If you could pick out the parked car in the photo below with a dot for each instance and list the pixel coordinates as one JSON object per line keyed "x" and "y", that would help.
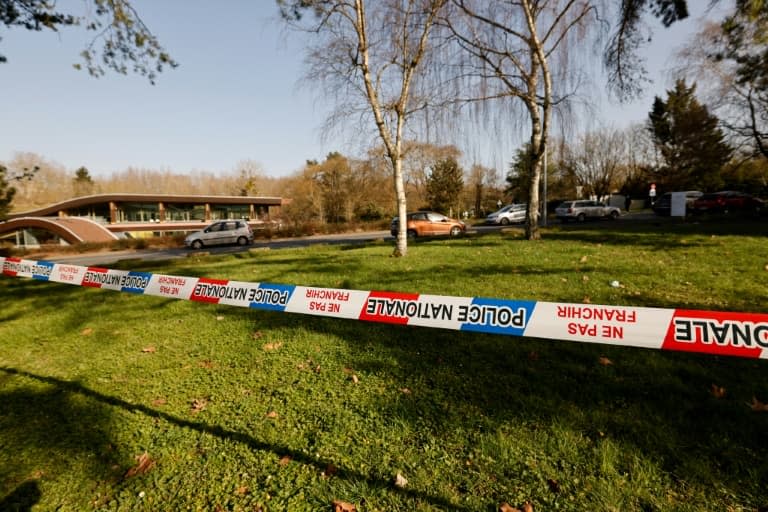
{"x": 728, "y": 201}
{"x": 583, "y": 210}
{"x": 510, "y": 214}
{"x": 663, "y": 206}
{"x": 429, "y": 224}
{"x": 221, "y": 233}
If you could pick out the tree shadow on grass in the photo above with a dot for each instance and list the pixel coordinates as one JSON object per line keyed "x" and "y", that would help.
{"x": 43, "y": 428}
{"x": 78, "y": 431}
{"x": 659, "y": 403}
{"x": 44, "y": 297}
{"x": 23, "y": 498}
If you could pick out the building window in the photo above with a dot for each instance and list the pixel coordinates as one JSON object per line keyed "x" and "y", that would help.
{"x": 97, "y": 212}
{"x": 178, "y": 212}
{"x": 138, "y": 212}
{"x": 230, "y": 211}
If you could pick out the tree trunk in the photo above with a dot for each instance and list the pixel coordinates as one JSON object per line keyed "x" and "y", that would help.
{"x": 401, "y": 245}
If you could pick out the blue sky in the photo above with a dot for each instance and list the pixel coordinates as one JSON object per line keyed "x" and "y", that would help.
{"x": 234, "y": 96}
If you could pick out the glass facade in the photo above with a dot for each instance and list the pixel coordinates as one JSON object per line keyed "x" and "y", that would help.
{"x": 230, "y": 211}
{"x": 177, "y": 212}
{"x": 33, "y": 237}
{"x": 138, "y": 212}
{"x": 97, "y": 212}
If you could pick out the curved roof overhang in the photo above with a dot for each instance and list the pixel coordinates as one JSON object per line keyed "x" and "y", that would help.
{"x": 71, "y": 229}
{"x": 164, "y": 198}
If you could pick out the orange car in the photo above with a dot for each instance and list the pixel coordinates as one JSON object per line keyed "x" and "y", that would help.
{"x": 429, "y": 224}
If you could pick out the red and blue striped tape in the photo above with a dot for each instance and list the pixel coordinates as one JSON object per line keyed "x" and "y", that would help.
{"x": 711, "y": 332}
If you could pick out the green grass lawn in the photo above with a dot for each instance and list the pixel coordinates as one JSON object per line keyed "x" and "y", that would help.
{"x": 112, "y": 401}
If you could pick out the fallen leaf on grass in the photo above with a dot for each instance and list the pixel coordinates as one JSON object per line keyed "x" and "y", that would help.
{"x": 272, "y": 346}
{"x": 586, "y": 300}
{"x": 309, "y": 365}
{"x": 605, "y": 361}
{"x": 583, "y": 259}
{"x": 355, "y": 379}
{"x": 159, "y": 401}
{"x": 758, "y": 406}
{"x": 400, "y": 481}
{"x": 343, "y": 506}
{"x": 405, "y": 391}
{"x": 198, "y": 404}
{"x": 208, "y": 364}
{"x": 242, "y": 490}
{"x": 219, "y": 318}
{"x": 285, "y": 460}
{"x": 149, "y": 350}
{"x": 506, "y": 507}
{"x": 87, "y": 331}
{"x": 272, "y": 415}
{"x": 330, "y": 470}
{"x": 585, "y": 278}
{"x": 257, "y": 335}
{"x": 717, "y": 391}
{"x": 143, "y": 464}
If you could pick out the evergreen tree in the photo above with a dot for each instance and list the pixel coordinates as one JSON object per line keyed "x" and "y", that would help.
{"x": 520, "y": 171}
{"x": 82, "y": 183}
{"x": 6, "y": 194}
{"x": 444, "y": 186}
{"x": 689, "y": 140}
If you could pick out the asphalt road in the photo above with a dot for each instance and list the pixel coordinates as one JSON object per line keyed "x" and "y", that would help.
{"x": 106, "y": 258}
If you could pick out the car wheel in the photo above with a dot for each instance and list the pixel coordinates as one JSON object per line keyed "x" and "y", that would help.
{"x": 614, "y": 215}
{"x": 455, "y": 231}
{"x": 411, "y": 233}
{"x": 242, "y": 241}
{"x": 581, "y": 217}
{"x": 504, "y": 221}
{"x": 197, "y": 244}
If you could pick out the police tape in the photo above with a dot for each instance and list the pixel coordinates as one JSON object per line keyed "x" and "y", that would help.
{"x": 711, "y": 332}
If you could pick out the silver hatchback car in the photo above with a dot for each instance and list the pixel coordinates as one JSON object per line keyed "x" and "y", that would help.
{"x": 221, "y": 233}
{"x": 510, "y": 214}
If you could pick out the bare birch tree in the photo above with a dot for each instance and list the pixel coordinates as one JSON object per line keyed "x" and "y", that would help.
{"x": 369, "y": 53}
{"x": 511, "y": 45}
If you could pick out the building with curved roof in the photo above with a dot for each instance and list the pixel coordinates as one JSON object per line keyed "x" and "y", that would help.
{"x": 105, "y": 217}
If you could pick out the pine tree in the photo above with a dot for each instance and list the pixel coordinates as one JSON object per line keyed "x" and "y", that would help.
{"x": 6, "y": 193}
{"x": 689, "y": 140}
{"x": 444, "y": 186}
